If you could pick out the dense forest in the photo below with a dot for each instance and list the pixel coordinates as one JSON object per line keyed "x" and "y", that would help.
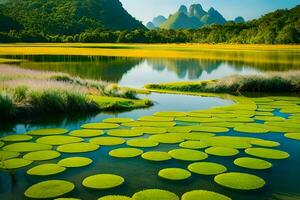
{"x": 279, "y": 27}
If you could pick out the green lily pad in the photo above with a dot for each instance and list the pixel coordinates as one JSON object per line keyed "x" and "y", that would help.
{"x": 197, "y": 119}
{"x": 5, "y": 155}
{"x": 229, "y": 142}
{"x": 100, "y": 126}
{"x": 149, "y": 124}
{"x": 294, "y": 136}
{"x": 221, "y": 151}
{"x": 117, "y": 120}
{"x": 210, "y": 129}
{"x": 125, "y": 152}
{"x": 77, "y": 148}
{"x": 124, "y": 133}
{"x": 250, "y": 129}
{"x": 265, "y": 143}
{"x": 267, "y": 153}
{"x": 84, "y": 133}
{"x": 156, "y": 156}
{"x": 150, "y": 130}
{"x": 16, "y": 138}
{"x": 167, "y": 138}
{"x": 142, "y": 142}
{"x": 170, "y": 114}
{"x": 14, "y": 163}
{"x": 270, "y": 118}
{"x": 66, "y": 199}
{"x": 49, "y": 189}
{"x": 103, "y": 181}
{"x": 152, "y": 194}
{"x": 207, "y": 168}
{"x": 193, "y": 145}
{"x": 175, "y": 174}
{"x": 41, "y": 155}
{"x": 200, "y": 115}
{"x": 1, "y": 144}
{"x": 58, "y": 140}
{"x": 240, "y": 181}
{"x": 188, "y": 154}
{"x": 203, "y": 194}
{"x": 156, "y": 119}
{"x": 179, "y": 129}
{"x": 252, "y": 163}
{"x": 74, "y": 162}
{"x": 46, "y": 170}
{"x": 49, "y": 131}
{"x": 115, "y": 197}
{"x": 197, "y": 135}
{"x": 107, "y": 141}
{"x": 27, "y": 147}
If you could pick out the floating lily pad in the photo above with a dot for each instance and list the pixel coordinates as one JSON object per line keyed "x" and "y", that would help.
{"x": 270, "y": 118}
{"x": 125, "y": 152}
{"x": 252, "y": 163}
{"x": 221, "y": 151}
{"x": 75, "y": 162}
{"x": 58, "y": 140}
{"x": 103, "y": 181}
{"x": 267, "y": 153}
{"x": 115, "y": 197}
{"x": 210, "y": 129}
{"x": 207, "y": 168}
{"x": 167, "y": 138}
{"x": 150, "y": 130}
{"x": 16, "y": 138}
{"x": 77, "y": 148}
{"x": 240, "y": 181}
{"x": 84, "y": 133}
{"x": 125, "y": 133}
{"x": 14, "y": 163}
{"x": 142, "y": 142}
{"x": 100, "y": 126}
{"x": 188, "y": 154}
{"x": 193, "y": 145}
{"x": 228, "y": 141}
{"x": 265, "y": 143}
{"x": 46, "y": 170}
{"x": 107, "y": 141}
{"x": 1, "y": 144}
{"x": 49, "y": 131}
{"x": 156, "y": 156}
{"x": 200, "y": 115}
{"x": 203, "y": 194}
{"x": 49, "y": 189}
{"x": 179, "y": 129}
{"x": 294, "y": 136}
{"x": 117, "y": 120}
{"x": 197, "y": 135}
{"x": 250, "y": 129}
{"x": 156, "y": 119}
{"x": 5, "y": 155}
{"x": 66, "y": 199}
{"x": 41, "y": 155}
{"x": 27, "y": 147}
{"x": 149, "y": 124}
{"x": 170, "y": 114}
{"x": 197, "y": 119}
{"x": 152, "y": 194}
{"x": 174, "y": 174}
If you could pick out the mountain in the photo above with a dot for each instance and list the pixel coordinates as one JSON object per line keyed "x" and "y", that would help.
{"x": 156, "y": 22}
{"x": 213, "y": 17}
{"x": 239, "y": 19}
{"x": 68, "y": 16}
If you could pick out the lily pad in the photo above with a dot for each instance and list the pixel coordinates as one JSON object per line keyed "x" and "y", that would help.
{"x": 1, "y": 144}
{"x": 240, "y": 181}
{"x": 252, "y": 163}
{"x": 149, "y": 124}
{"x": 107, "y": 141}
{"x": 221, "y": 151}
{"x": 270, "y": 118}
{"x": 58, "y": 140}
{"x": 14, "y": 163}
{"x": 27, "y": 147}
{"x": 170, "y": 114}
{"x": 210, "y": 129}
{"x": 250, "y": 129}
{"x": 267, "y": 153}
{"x": 193, "y": 145}
{"x": 203, "y": 194}
{"x": 5, "y": 155}
{"x": 117, "y": 120}
{"x": 124, "y": 133}
{"x": 16, "y": 138}
{"x": 152, "y": 194}
{"x": 125, "y": 152}
{"x": 115, "y": 197}
{"x": 294, "y": 136}
{"x": 49, "y": 189}
{"x": 100, "y": 126}
{"x": 49, "y": 131}
{"x": 207, "y": 168}
{"x": 265, "y": 143}
{"x": 74, "y": 162}
{"x": 197, "y": 135}
{"x": 46, "y": 170}
{"x": 174, "y": 174}
{"x": 229, "y": 142}
{"x": 179, "y": 129}
{"x": 77, "y": 148}
{"x": 188, "y": 154}
{"x": 150, "y": 130}
{"x": 103, "y": 181}
{"x": 156, "y": 156}
{"x": 84, "y": 133}
{"x": 142, "y": 142}
{"x": 156, "y": 119}
{"x": 41, "y": 155}
{"x": 167, "y": 138}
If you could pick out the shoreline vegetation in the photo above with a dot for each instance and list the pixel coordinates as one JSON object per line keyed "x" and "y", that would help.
{"x": 25, "y": 93}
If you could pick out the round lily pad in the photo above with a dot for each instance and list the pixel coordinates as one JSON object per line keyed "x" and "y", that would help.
{"x": 66, "y": 199}
{"x": 27, "y": 147}
{"x": 221, "y": 151}
{"x": 167, "y": 138}
{"x": 100, "y": 126}
{"x": 188, "y": 154}
{"x": 5, "y": 155}
{"x": 179, "y": 129}
{"x": 77, "y": 148}
{"x": 228, "y": 141}
{"x": 250, "y": 129}
{"x": 85, "y": 133}
{"x": 207, "y": 168}
{"x": 150, "y": 130}
{"x": 152, "y": 194}
{"x": 210, "y": 129}
{"x": 156, "y": 119}
{"x": 125, "y": 133}
{"x": 103, "y": 181}
{"x": 252, "y": 163}
{"x": 240, "y": 181}
{"x": 197, "y": 135}
{"x": 46, "y": 170}
{"x": 270, "y": 118}
{"x": 49, "y": 131}
{"x": 265, "y": 143}
{"x": 156, "y": 156}
{"x": 267, "y": 153}
{"x": 107, "y": 141}
{"x": 193, "y": 145}
{"x": 142, "y": 142}
{"x": 174, "y": 174}
{"x": 16, "y": 138}
{"x": 170, "y": 114}
{"x": 14, "y": 163}
{"x": 115, "y": 197}
{"x": 149, "y": 124}
{"x": 41, "y": 155}
{"x": 75, "y": 162}
{"x": 49, "y": 189}
{"x": 125, "y": 152}
{"x": 294, "y": 136}
{"x": 117, "y": 120}
{"x": 58, "y": 140}
{"x": 203, "y": 194}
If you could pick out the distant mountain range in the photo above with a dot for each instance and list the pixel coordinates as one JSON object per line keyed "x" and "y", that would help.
{"x": 192, "y": 18}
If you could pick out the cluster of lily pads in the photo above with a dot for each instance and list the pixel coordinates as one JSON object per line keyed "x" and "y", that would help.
{"x": 198, "y": 134}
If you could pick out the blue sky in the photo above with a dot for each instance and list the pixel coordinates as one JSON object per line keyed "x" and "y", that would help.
{"x": 145, "y": 10}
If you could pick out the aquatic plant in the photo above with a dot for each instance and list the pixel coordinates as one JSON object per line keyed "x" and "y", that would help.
{"x": 125, "y": 152}
{"x": 26, "y": 147}
{"x": 77, "y": 147}
{"x": 151, "y": 194}
{"x": 14, "y": 163}
{"x": 45, "y": 170}
{"x": 74, "y": 162}
{"x": 207, "y": 168}
{"x": 107, "y": 141}
{"x": 252, "y": 163}
{"x": 175, "y": 174}
{"x": 187, "y": 154}
{"x": 156, "y": 156}
{"x": 267, "y": 153}
{"x": 203, "y": 194}
{"x": 103, "y": 181}
{"x": 41, "y": 155}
